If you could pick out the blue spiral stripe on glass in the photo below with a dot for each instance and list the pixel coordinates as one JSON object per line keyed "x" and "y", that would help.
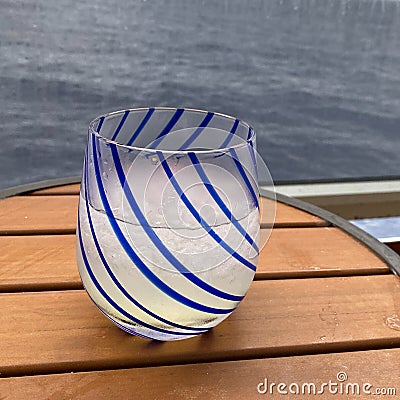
{"x": 111, "y": 301}
{"x": 231, "y": 134}
{"x": 136, "y": 259}
{"x": 121, "y": 124}
{"x": 123, "y": 327}
{"x": 101, "y": 120}
{"x": 158, "y": 242}
{"x": 114, "y": 278}
{"x": 167, "y": 128}
{"x": 195, "y": 135}
{"x": 198, "y": 217}
{"x": 141, "y": 126}
{"x": 126, "y": 329}
{"x": 249, "y": 132}
{"x": 114, "y": 321}
{"x": 243, "y": 174}
{"x": 217, "y": 198}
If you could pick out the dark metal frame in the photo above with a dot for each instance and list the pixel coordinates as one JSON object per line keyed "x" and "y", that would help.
{"x": 386, "y": 178}
{"x": 30, "y": 187}
{"x": 380, "y": 249}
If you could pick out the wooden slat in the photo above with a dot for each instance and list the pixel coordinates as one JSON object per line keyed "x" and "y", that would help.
{"x": 287, "y": 216}
{"x": 305, "y": 252}
{"x": 38, "y": 214}
{"x": 70, "y": 189}
{"x": 47, "y": 262}
{"x": 221, "y": 381}
{"x": 58, "y": 214}
{"x": 63, "y": 331}
{"x": 38, "y": 263}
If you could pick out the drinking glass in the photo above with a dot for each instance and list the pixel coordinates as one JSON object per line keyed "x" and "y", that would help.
{"x": 168, "y": 222}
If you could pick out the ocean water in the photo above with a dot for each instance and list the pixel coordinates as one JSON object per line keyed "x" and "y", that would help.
{"x": 318, "y": 79}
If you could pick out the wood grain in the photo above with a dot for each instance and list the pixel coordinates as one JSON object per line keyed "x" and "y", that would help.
{"x": 305, "y": 252}
{"x": 219, "y": 381}
{"x": 38, "y": 215}
{"x": 63, "y": 331}
{"x": 39, "y": 262}
{"x": 287, "y": 216}
{"x": 47, "y": 262}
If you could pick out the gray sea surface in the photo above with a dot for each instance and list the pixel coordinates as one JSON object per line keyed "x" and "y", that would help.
{"x": 318, "y": 79}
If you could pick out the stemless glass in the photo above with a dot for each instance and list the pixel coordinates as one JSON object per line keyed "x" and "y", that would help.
{"x": 168, "y": 224}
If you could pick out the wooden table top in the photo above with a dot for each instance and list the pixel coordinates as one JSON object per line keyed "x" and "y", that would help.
{"x": 322, "y": 303}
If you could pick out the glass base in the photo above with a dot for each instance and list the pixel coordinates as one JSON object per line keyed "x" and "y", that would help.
{"x": 139, "y": 330}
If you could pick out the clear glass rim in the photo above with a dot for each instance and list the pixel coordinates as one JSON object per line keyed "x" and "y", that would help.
{"x": 92, "y": 130}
